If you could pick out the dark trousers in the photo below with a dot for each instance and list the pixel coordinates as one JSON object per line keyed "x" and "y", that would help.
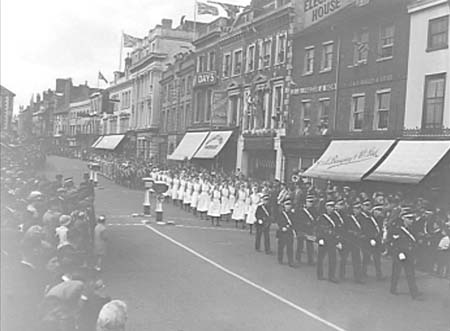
{"x": 329, "y": 249}
{"x": 286, "y": 240}
{"x": 372, "y": 253}
{"x": 262, "y": 230}
{"x": 301, "y": 243}
{"x": 408, "y": 266}
{"x": 355, "y": 253}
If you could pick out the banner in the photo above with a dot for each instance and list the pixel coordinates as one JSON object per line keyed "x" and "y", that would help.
{"x": 219, "y": 108}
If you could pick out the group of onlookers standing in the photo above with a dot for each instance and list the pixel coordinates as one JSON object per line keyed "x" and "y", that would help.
{"x": 52, "y": 248}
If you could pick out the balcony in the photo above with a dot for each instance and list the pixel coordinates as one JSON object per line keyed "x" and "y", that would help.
{"x": 431, "y": 133}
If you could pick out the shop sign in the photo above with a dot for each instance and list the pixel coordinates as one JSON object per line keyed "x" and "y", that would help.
{"x": 317, "y": 88}
{"x": 318, "y": 10}
{"x": 371, "y": 80}
{"x": 368, "y": 153}
{"x": 206, "y": 78}
{"x": 219, "y": 108}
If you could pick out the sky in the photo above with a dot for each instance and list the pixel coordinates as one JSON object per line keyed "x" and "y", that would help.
{"x": 42, "y": 40}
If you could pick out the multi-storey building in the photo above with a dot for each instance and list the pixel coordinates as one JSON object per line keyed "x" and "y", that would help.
{"x": 240, "y": 90}
{"x": 176, "y": 101}
{"x": 147, "y": 62}
{"x": 350, "y": 70}
{"x": 6, "y": 108}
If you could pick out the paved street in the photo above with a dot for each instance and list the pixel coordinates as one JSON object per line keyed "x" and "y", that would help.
{"x": 192, "y": 276}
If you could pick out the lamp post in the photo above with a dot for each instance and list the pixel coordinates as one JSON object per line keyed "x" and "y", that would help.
{"x": 160, "y": 188}
{"x": 148, "y": 183}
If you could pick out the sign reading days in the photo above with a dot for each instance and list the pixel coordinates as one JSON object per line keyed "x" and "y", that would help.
{"x": 317, "y": 10}
{"x": 206, "y": 78}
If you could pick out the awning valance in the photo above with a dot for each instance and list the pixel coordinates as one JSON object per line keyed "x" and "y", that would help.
{"x": 213, "y": 144}
{"x": 110, "y": 142}
{"x": 188, "y": 146}
{"x": 348, "y": 160}
{"x": 97, "y": 141}
{"x": 410, "y": 161}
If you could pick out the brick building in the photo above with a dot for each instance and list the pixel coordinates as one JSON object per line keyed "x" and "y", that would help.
{"x": 6, "y": 108}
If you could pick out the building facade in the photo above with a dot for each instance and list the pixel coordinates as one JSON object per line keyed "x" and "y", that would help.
{"x": 428, "y": 88}
{"x": 147, "y": 62}
{"x": 121, "y": 96}
{"x": 6, "y": 108}
{"x": 176, "y": 101}
{"x": 350, "y": 72}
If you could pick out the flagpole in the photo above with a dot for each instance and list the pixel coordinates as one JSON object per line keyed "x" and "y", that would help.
{"x": 195, "y": 19}
{"x": 121, "y": 51}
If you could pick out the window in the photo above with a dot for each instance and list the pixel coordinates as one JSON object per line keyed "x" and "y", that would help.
{"x": 201, "y": 63}
{"x": 250, "y": 58}
{"x": 306, "y": 113}
{"x": 434, "y": 101}
{"x": 211, "y": 61}
{"x": 208, "y": 105}
{"x": 227, "y": 65}
{"x": 277, "y": 107}
{"x": 361, "y": 47}
{"x": 438, "y": 33}
{"x": 309, "y": 60}
{"x": 237, "y": 63}
{"x": 324, "y": 108}
{"x": 200, "y": 106}
{"x": 182, "y": 86}
{"x": 358, "y": 105}
{"x": 189, "y": 84}
{"x": 281, "y": 48}
{"x": 187, "y": 115}
{"x": 382, "y": 106}
{"x": 327, "y": 57}
{"x": 233, "y": 110}
{"x": 266, "y": 53}
{"x": 386, "y": 42}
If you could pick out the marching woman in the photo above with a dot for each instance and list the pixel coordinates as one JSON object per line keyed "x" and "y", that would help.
{"x": 169, "y": 182}
{"x": 203, "y": 199}
{"x": 254, "y": 200}
{"x": 239, "y": 208}
{"x": 225, "y": 202}
{"x": 175, "y": 187}
{"x": 215, "y": 205}
{"x": 232, "y": 195}
{"x": 195, "y": 194}
{"x": 181, "y": 188}
{"x": 188, "y": 194}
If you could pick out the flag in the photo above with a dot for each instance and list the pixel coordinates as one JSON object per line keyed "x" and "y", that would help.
{"x": 130, "y": 41}
{"x": 100, "y": 76}
{"x": 231, "y": 10}
{"x": 205, "y": 9}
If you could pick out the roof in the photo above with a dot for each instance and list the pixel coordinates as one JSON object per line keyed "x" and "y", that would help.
{"x": 4, "y": 90}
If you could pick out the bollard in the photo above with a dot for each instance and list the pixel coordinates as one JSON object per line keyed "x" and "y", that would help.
{"x": 159, "y": 208}
{"x": 95, "y": 167}
{"x": 148, "y": 190}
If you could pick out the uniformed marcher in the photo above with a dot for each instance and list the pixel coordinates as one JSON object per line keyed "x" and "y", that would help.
{"x": 307, "y": 217}
{"x": 286, "y": 233}
{"x": 351, "y": 234}
{"x": 327, "y": 241}
{"x": 372, "y": 240}
{"x": 403, "y": 246}
{"x": 263, "y": 222}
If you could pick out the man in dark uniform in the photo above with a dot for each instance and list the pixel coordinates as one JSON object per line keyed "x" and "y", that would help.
{"x": 351, "y": 234}
{"x": 263, "y": 221}
{"x": 286, "y": 233}
{"x": 403, "y": 244}
{"x": 372, "y": 240}
{"x": 327, "y": 240}
{"x": 307, "y": 217}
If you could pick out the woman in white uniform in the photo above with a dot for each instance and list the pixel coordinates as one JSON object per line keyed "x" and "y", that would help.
{"x": 181, "y": 189}
{"x": 254, "y": 202}
{"x": 195, "y": 195}
{"x": 215, "y": 205}
{"x": 175, "y": 187}
{"x": 225, "y": 202}
{"x": 203, "y": 199}
{"x": 239, "y": 208}
{"x": 188, "y": 194}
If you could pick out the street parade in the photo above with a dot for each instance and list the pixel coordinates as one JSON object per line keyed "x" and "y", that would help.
{"x": 241, "y": 165}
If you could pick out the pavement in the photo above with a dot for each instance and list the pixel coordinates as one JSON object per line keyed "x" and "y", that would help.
{"x": 192, "y": 276}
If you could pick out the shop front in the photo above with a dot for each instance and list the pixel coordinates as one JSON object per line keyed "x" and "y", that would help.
{"x": 261, "y": 157}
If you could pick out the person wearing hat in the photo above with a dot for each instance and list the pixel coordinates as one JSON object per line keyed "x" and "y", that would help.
{"x": 307, "y": 217}
{"x": 100, "y": 240}
{"x": 327, "y": 241}
{"x": 372, "y": 240}
{"x": 351, "y": 235}
{"x": 262, "y": 224}
{"x": 287, "y": 230}
{"x": 403, "y": 243}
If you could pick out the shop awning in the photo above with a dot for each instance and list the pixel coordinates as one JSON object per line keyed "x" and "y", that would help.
{"x": 110, "y": 142}
{"x": 188, "y": 146}
{"x": 213, "y": 144}
{"x": 97, "y": 141}
{"x": 410, "y": 161}
{"x": 348, "y": 160}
